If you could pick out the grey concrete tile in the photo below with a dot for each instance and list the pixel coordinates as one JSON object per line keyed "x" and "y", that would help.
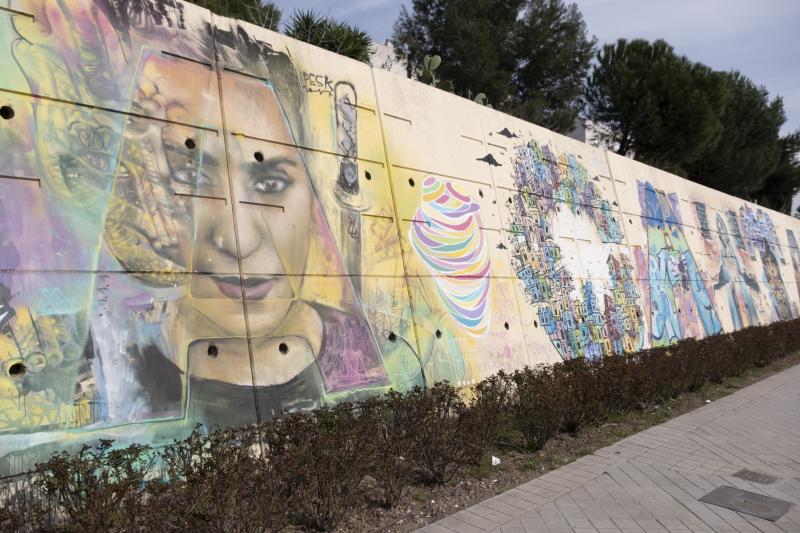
{"x": 651, "y": 481}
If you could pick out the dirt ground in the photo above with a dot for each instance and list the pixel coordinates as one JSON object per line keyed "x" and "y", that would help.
{"x": 423, "y": 505}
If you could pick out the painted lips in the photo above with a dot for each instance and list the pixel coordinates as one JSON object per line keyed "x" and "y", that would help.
{"x": 255, "y": 288}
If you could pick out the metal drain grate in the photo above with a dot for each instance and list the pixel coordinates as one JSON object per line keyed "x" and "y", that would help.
{"x": 755, "y": 477}
{"x": 746, "y": 502}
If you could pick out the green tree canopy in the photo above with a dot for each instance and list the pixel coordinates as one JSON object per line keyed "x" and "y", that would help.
{"x": 749, "y": 146}
{"x": 659, "y": 105}
{"x": 552, "y": 55}
{"x": 330, "y": 34}
{"x": 716, "y": 128}
{"x": 783, "y": 183}
{"x": 258, "y": 12}
{"x": 527, "y": 56}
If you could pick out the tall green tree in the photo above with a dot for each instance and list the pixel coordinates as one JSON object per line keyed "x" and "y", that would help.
{"x": 327, "y": 33}
{"x": 552, "y": 53}
{"x": 783, "y": 183}
{"x": 259, "y": 12}
{"x": 749, "y": 147}
{"x": 659, "y": 106}
{"x": 716, "y": 128}
{"x": 473, "y": 38}
{"x": 527, "y": 56}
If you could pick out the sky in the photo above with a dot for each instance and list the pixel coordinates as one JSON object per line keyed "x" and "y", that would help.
{"x": 759, "y": 38}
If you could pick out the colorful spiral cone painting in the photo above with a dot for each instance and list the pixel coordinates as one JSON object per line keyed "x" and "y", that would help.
{"x": 447, "y": 236}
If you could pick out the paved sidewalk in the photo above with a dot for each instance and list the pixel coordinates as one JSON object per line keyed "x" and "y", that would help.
{"x": 652, "y": 481}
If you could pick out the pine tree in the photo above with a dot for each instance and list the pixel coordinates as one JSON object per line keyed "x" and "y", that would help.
{"x": 553, "y": 54}
{"x": 660, "y": 106}
{"x": 527, "y": 57}
{"x": 749, "y": 147}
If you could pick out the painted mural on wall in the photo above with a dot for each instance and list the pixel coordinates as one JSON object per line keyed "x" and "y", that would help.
{"x": 680, "y": 303}
{"x": 747, "y": 256}
{"x": 161, "y": 267}
{"x": 578, "y": 323}
{"x": 447, "y": 237}
{"x": 201, "y": 221}
{"x": 761, "y": 243}
{"x": 794, "y": 251}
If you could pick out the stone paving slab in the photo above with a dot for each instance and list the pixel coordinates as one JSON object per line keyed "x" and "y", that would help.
{"x": 653, "y": 481}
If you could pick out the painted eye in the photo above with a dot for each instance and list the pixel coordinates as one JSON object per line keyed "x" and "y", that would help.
{"x": 192, "y": 177}
{"x": 271, "y": 185}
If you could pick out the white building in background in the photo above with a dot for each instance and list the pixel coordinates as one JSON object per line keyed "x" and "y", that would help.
{"x": 383, "y": 57}
{"x": 596, "y": 134}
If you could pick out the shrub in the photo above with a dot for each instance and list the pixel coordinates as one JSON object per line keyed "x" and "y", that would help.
{"x": 581, "y": 399}
{"x": 307, "y": 469}
{"x": 209, "y": 476}
{"x": 323, "y": 456}
{"x": 715, "y": 351}
{"x": 692, "y": 365}
{"x": 536, "y": 407}
{"x": 392, "y": 467}
{"x": 487, "y": 414}
{"x": 23, "y": 506}
{"x": 440, "y": 445}
{"x": 97, "y": 488}
{"x": 664, "y": 374}
{"x": 618, "y": 382}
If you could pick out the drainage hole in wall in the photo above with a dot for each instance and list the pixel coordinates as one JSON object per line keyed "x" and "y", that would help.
{"x": 7, "y": 112}
{"x": 535, "y": 324}
{"x": 17, "y": 370}
{"x": 438, "y": 334}
{"x": 212, "y": 350}
{"x": 630, "y": 221}
{"x": 411, "y": 181}
{"x": 190, "y": 144}
{"x": 392, "y": 337}
{"x": 480, "y": 193}
{"x": 367, "y": 175}
{"x": 259, "y": 156}
{"x": 505, "y": 325}
{"x": 283, "y": 348}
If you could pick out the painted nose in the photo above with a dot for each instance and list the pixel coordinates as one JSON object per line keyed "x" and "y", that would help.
{"x": 224, "y": 240}
{"x": 252, "y": 233}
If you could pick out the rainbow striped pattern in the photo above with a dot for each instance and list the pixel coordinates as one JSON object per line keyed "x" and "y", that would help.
{"x": 446, "y": 234}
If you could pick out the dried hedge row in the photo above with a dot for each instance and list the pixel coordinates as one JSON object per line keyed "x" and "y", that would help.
{"x": 309, "y": 469}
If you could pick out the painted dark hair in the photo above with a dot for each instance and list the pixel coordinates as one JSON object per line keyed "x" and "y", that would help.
{"x": 230, "y": 45}
{"x": 239, "y": 51}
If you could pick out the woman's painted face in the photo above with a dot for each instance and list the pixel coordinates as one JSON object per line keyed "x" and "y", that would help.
{"x": 273, "y": 206}
{"x": 182, "y": 206}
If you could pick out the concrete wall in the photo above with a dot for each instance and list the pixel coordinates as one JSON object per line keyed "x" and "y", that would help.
{"x": 204, "y": 221}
